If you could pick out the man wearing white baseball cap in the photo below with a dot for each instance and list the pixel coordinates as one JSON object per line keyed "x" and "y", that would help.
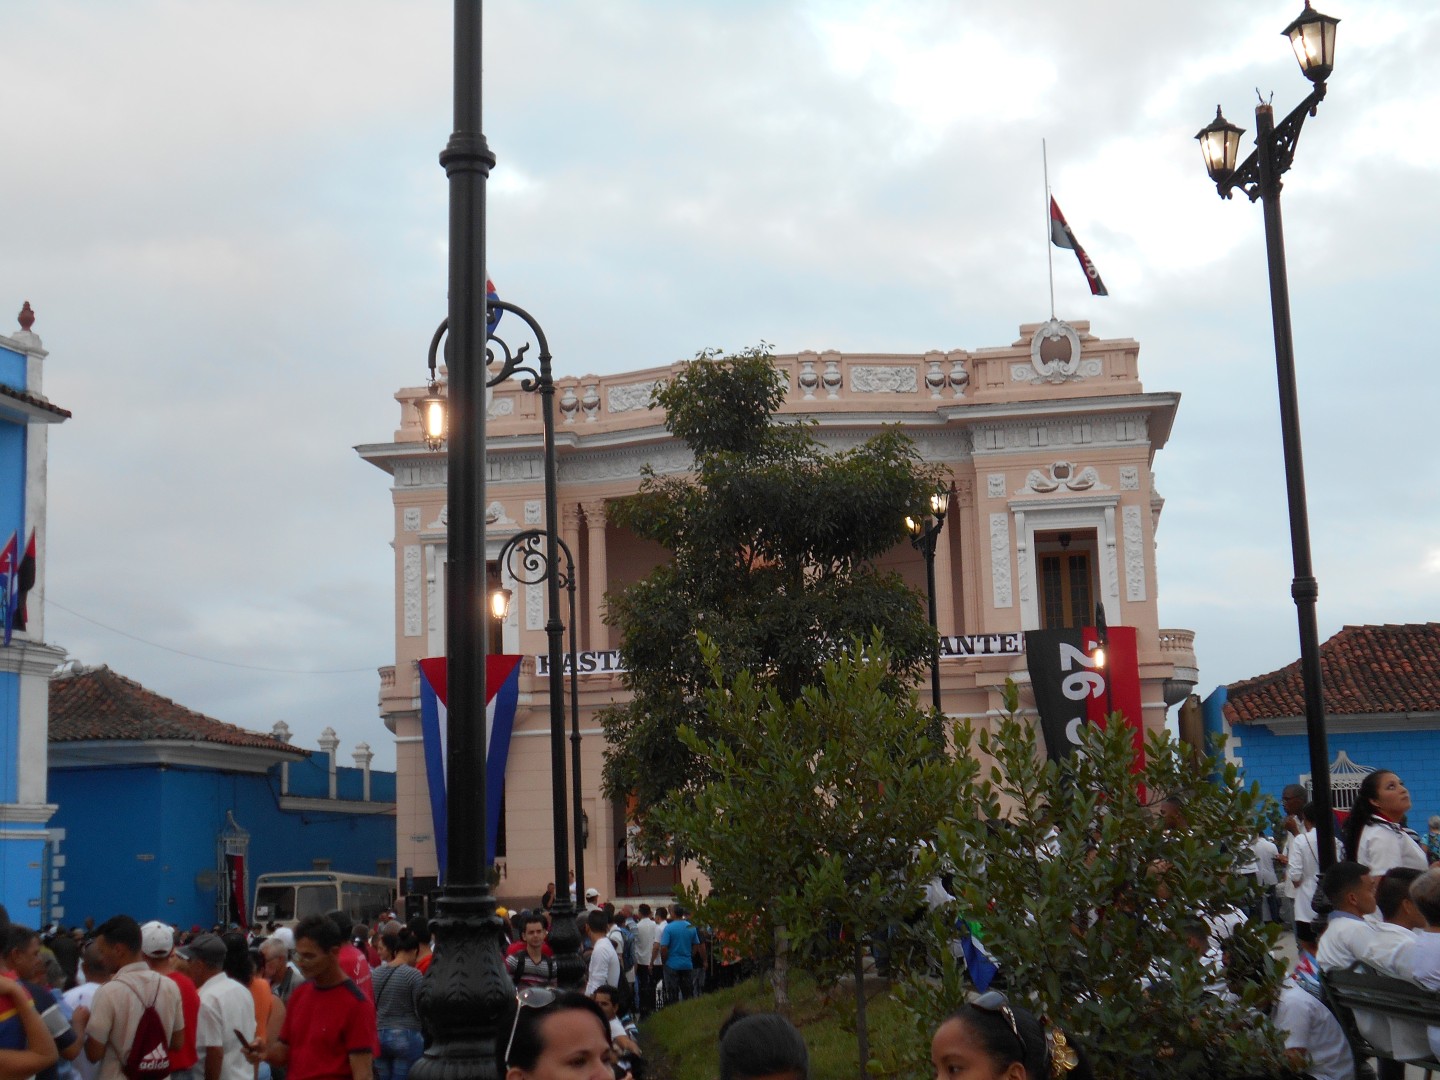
{"x": 157, "y": 943}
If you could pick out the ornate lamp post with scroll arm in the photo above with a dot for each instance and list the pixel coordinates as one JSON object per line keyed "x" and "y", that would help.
{"x": 1312, "y": 36}
{"x": 529, "y": 563}
{"x": 925, "y": 538}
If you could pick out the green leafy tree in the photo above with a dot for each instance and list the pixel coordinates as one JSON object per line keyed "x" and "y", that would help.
{"x": 810, "y": 826}
{"x": 1086, "y": 899}
{"x": 772, "y": 540}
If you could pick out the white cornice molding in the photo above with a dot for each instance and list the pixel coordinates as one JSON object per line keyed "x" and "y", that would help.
{"x": 27, "y": 813}
{"x": 179, "y": 752}
{"x": 1156, "y": 412}
{"x": 302, "y": 804}
{"x": 1352, "y": 723}
{"x": 25, "y": 657}
{"x": 25, "y": 342}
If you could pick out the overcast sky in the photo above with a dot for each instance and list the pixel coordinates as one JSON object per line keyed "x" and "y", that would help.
{"x": 231, "y": 223}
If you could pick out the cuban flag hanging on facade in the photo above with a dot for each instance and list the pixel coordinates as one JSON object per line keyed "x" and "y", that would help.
{"x": 502, "y": 689}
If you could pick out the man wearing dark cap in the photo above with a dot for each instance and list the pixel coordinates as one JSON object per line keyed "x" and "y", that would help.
{"x": 225, "y": 1008}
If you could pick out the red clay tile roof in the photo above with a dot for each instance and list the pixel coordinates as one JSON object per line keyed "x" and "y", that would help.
{"x": 31, "y": 399}
{"x": 1364, "y": 669}
{"x": 97, "y": 704}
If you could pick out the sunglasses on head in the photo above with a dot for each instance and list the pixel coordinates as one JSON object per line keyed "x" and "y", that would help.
{"x": 996, "y": 1002}
{"x": 532, "y": 997}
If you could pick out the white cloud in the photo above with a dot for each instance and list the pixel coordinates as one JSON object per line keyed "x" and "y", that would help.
{"x": 231, "y": 221}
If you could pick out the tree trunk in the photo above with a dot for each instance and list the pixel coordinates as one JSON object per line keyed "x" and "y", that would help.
{"x": 780, "y": 973}
{"x": 862, "y": 1031}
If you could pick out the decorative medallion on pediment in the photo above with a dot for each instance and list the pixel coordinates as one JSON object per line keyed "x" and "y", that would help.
{"x": 1055, "y": 356}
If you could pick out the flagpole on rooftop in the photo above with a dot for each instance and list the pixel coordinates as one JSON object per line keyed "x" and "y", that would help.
{"x": 1049, "y": 247}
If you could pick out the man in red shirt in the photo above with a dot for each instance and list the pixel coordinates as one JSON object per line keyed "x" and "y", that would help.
{"x": 329, "y": 1030}
{"x": 352, "y": 960}
{"x": 157, "y": 943}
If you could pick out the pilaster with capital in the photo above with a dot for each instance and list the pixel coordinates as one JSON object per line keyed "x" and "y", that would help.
{"x": 963, "y": 508}
{"x": 570, "y": 533}
{"x": 945, "y": 579}
{"x": 595, "y": 589}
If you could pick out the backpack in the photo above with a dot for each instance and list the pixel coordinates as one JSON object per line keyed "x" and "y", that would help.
{"x": 627, "y": 950}
{"x": 149, "y": 1057}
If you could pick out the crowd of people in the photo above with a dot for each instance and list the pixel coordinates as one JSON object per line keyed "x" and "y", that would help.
{"x": 327, "y": 998}
{"x": 1378, "y": 904}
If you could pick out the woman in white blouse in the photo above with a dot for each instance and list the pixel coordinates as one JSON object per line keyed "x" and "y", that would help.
{"x": 1373, "y": 833}
{"x": 1303, "y": 865}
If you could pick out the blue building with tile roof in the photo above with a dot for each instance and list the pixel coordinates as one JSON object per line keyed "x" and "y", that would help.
{"x": 1382, "y": 708}
{"x": 166, "y": 813}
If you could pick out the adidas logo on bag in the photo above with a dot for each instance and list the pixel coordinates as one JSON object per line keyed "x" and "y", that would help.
{"x": 157, "y": 1060}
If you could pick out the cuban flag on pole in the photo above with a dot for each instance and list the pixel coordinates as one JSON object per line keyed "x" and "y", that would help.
{"x": 502, "y": 687}
{"x": 9, "y": 580}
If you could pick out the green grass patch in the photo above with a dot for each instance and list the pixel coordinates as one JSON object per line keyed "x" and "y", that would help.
{"x": 681, "y": 1040}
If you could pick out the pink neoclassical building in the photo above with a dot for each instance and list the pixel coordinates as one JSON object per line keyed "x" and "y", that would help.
{"x": 1050, "y": 441}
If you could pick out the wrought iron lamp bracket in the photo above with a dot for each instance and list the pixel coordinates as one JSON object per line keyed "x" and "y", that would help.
{"x": 525, "y": 557}
{"x": 1282, "y": 143}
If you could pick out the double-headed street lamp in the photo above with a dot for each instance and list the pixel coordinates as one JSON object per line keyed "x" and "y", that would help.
{"x": 531, "y": 557}
{"x": 1312, "y": 35}
{"x": 924, "y": 538}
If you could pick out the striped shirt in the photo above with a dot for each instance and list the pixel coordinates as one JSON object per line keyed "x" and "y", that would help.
{"x": 397, "y": 996}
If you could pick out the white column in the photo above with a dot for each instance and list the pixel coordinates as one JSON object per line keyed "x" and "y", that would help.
{"x": 363, "y": 757}
{"x": 329, "y": 742}
{"x": 281, "y": 731}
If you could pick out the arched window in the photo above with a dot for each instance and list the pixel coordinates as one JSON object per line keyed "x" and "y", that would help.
{"x": 1345, "y": 778}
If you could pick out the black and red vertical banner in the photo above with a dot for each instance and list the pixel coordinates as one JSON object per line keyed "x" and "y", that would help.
{"x": 235, "y": 880}
{"x": 1072, "y": 688}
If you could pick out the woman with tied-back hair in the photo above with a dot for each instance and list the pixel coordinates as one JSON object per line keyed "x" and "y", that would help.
{"x": 1375, "y": 835}
{"x": 397, "y": 1006}
{"x": 990, "y": 1039}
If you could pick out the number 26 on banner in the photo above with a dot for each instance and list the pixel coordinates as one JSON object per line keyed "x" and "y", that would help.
{"x": 1079, "y": 685}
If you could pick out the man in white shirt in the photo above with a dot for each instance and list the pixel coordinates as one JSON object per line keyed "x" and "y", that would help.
{"x": 1314, "y": 1040}
{"x": 83, "y": 997}
{"x": 1349, "y": 938}
{"x": 1425, "y": 957}
{"x": 227, "y": 1011}
{"x": 604, "y": 960}
{"x": 624, "y": 1037}
{"x": 1266, "y": 855}
{"x": 647, "y": 931}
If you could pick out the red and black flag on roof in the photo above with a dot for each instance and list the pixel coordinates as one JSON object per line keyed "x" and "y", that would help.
{"x": 1061, "y": 235}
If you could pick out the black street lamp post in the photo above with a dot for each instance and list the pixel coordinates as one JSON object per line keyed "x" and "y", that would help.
{"x": 468, "y": 999}
{"x": 925, "y": 538}
{"x": 1313, "y": 37}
